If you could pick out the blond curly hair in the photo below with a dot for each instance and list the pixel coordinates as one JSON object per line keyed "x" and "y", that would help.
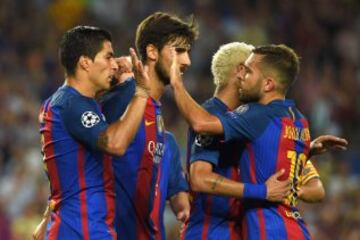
{"x": 226, "y": 58}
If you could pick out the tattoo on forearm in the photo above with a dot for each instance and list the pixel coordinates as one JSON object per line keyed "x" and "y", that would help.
{"x": 216, "y": 182}
{"x": 102, "y": 140}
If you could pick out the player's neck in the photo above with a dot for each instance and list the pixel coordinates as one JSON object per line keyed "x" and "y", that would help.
{"x": 157, "y": 87}
{"x": 84, "y": 87}
{"x": 229, "y": 96}
{"x": 271, "y": 96}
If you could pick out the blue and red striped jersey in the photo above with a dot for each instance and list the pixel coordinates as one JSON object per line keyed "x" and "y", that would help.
{"x": 275, "y": 136}
{"x": 148, "y": 173}
{"x": 214, "y": 217}
{"x": 81, "y": 179}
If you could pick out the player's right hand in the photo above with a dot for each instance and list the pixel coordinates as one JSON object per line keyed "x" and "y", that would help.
{"x": 140, "y": 71}
{"x": 277, "y": 190}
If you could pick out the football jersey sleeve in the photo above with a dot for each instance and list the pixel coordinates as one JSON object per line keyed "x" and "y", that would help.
{"x": 83, "y": 120}
{"x": 204, "y": 149}
{"x": 309, "y": 172}
{"x": 115, "y": 102}
{"x": 177, "y": 182}
{"x": 246, "y": 122}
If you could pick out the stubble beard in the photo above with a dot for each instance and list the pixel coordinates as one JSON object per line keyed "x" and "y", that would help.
{"x": 249, "y": 97}
{"x": 252, "y": 95}
{"x": 162, "y": 74}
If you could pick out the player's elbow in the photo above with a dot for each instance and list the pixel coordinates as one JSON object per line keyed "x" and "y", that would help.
{"x": 197, "y": 183}
{"x": 116, "y": 148}
{"x": 208, "y": 124}
{"x": 320, "y": 191}
{"x": 199, "y": 126}
{"x": 316, "y": 192}
{"x": 200, "y": 176}
{"x": 112, "y": 143}
{"x": 320, "y": 194}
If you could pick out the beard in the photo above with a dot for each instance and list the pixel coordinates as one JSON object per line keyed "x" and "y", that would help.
{"x": 162, "y": 73}
{"x": 248, "y": 97}
{"x": 251, "y": 95}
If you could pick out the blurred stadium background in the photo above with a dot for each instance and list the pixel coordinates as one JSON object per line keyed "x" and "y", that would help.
{"x": 326, "y": 33}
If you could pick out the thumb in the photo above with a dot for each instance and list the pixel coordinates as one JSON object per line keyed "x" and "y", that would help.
{"x": 279, "y": 173}
{"x": 318, "y": 145}
{"x": 146, "y": 69}
{"x": 133, "y": 56}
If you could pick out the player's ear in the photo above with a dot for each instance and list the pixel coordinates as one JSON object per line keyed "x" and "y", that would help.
{"x": 152, "y": 52}
{"x": 84, "y": 63}
{"x": 269, "y": 84}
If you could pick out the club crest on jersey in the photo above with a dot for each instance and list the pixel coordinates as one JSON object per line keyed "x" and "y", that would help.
{"x": 242, "y": 109}
{"x": 89, "y": 119}
{"x": 203, "y": 140}
{"x": 160, "y": 124}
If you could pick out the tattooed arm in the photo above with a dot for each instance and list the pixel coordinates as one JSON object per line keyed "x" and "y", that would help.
{"x": 203, "y": 179}
{"x": 118, "y": 135}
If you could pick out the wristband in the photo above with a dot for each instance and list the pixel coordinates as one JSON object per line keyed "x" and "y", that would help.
{"x": 257, "y": 191}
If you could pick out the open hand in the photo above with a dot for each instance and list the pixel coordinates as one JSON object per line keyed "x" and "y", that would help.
{"x": 140, "y": 71}
{"x": 325, "y": 143}
{"x": 277, "y": 190}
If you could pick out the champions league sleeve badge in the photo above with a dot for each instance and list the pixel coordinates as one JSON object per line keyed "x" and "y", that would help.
{"x": 203, "y": 140}
{"x": 242, "y": 109}
{"x": 89, "y": 119}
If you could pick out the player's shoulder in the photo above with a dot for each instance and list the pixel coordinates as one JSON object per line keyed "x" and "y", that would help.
{"x": 250, "y": 108}
{"x": 282, "y": 107}
{"x": 68, "y": 99}
{"x": 63, "y": 96}
{"x": 214, "y": 105}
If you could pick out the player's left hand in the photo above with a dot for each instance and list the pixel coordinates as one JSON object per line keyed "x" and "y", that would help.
{"x": 325, "y": 143}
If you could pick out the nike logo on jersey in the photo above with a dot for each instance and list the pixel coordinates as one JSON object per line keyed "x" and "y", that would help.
{"x": 148, "y": 123}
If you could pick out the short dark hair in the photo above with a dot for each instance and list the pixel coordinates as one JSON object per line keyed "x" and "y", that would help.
{"x": 160, "y": 28}
{"x": 81, "y": 41}
{"x": 283, "y": 60}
